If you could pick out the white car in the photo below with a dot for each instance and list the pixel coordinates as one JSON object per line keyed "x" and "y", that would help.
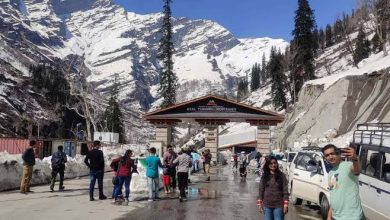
{"x": 373, "y": 144}
{"x": 286, "y": 160}
{"x": 308, "y": 180}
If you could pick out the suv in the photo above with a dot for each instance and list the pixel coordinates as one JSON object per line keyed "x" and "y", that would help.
{"x": 372, "y": 141}
{"x": 308, "y": 179}
{"x": 286, "y": 160}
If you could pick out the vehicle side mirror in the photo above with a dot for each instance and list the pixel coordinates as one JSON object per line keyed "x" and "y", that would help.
{"x": 284, "y": 160}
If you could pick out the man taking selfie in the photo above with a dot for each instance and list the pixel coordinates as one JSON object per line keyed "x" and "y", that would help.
{"x": 343, "y": 183}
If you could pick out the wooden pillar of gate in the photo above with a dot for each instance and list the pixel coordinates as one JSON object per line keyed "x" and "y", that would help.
{"x": 211, "y": 142}
{"x": 263, "y": 140}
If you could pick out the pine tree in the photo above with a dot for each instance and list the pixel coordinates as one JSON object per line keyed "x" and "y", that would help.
{"x": 328, "y": 36}
{"x": 278, "y": 80}
{"x": 362, "y": 49}
{"x": 376, "y": 45}
{"x": 316, "y": 40}
{"x": 263, "y": 72}
{"x": 304, "y": 46}
{"x": 242, "y": 90}
{"x": 321, "y": 40}
{"x": 168, "y": 79}
{"x": 113, "y": 115}
{"x": 338, "y": 31}
{"x": 255, "y": 77}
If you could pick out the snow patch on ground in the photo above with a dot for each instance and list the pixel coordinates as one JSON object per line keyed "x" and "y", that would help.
{"x": 11, "y": 167}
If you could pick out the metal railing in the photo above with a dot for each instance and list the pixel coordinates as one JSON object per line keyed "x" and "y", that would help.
{"x": 376, "y": 134}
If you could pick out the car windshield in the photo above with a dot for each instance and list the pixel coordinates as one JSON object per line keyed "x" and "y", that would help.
{"x": 291, "y": 157}
{"x": 279, "y": 156}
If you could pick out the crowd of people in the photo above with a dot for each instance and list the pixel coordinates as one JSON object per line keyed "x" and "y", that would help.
{"x": 176, "y": 169}
{"x": 273, "y": 187}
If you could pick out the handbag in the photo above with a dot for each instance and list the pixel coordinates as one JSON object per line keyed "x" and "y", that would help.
{"x": 115, "y": 180}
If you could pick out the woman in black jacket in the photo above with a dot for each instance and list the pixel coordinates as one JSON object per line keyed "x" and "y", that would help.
{"x": 273, "y": 191}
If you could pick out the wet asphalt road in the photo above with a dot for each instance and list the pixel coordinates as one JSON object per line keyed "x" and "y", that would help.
{"x": 226, "y": 196}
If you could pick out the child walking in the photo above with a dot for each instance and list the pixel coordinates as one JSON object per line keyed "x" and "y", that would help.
{"x": 166, "y": 180}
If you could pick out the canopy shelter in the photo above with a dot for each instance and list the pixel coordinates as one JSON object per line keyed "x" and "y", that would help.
{"x": 211, "y": 111}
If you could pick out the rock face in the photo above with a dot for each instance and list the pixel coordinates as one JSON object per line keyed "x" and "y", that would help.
{"x": 323, "y": 114}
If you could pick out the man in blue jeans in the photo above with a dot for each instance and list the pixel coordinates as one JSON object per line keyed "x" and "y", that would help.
{"x": 152, "y": 164}
{"x": 95, "y": 162}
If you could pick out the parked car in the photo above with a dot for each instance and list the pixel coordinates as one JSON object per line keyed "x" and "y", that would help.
{"x": 372, "y": 142}
{"x": 308, "y": 180}
{"x": 286, "y": 160}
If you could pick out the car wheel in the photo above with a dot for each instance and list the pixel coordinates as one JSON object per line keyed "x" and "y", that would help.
{"x": 324, "y": 207}
{"x": 294, "y": 200}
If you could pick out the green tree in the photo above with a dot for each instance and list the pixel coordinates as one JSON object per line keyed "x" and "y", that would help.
{"x": 304, "y": 45}
{"x": 255, "y": 77}
{"x": 362, "y": 48}
{"x": 278, "y": 80}
{"x": 168, "y": 79}
{"x": 321, "y": 40}
{"x": 316, "y": 37}
{"x": 113, "y": 115}
{"x": 376, "y": 45}
{"x": 338, "y": 31}
{"x": 263, "y": 73}
{"x": 328, "y": 36}
{"x": 242, "y": 90}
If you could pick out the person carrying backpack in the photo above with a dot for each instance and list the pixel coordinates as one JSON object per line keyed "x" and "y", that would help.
{"x": 58, "y": 161}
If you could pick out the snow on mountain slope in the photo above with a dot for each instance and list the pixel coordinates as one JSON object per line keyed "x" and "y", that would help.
{"x": 112, "y": 41}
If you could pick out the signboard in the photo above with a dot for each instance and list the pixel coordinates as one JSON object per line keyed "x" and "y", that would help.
{"x": 107, "y": 137}
{"x": 211, "y": 106}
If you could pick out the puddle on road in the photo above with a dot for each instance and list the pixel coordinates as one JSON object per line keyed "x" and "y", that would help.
{"x": 201, "y": 193}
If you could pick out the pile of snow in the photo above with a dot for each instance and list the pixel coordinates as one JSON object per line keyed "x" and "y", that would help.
{"x": 11, "y": 167}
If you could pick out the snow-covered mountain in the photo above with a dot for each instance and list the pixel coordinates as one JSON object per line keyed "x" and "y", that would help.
{"x": 112, "y": 41}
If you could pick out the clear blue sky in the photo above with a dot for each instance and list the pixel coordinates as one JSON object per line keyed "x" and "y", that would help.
{"x": 247, "y": 18}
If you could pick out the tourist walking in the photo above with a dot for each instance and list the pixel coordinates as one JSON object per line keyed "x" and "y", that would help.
{"x": 243, "y": 163}
{"x": 169, "y": 157}
{"x": 235, "y": 162}
{"x": 166, "y": 180}
{"x": 343, "y": 183}
{"x": 207, "y": 163}
{"x": 152, "y": 164}
{"x": 126, "y": 167}
{"x": 273, "y": 191}
{"x": 183, "y": 162}
{"x": 58, "y": 160}
{"x": 95, "y": 162}
{"x": 28, "y": 163}
{"x": 195, "y": 161}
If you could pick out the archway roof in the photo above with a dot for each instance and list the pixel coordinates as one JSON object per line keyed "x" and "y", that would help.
{"x": 211, "y": 109}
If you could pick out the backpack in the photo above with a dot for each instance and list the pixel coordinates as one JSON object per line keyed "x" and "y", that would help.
{"x": 57, "y": 161}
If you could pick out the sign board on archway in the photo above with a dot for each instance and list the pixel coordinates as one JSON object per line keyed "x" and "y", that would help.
{"x": 211, "y": 111}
